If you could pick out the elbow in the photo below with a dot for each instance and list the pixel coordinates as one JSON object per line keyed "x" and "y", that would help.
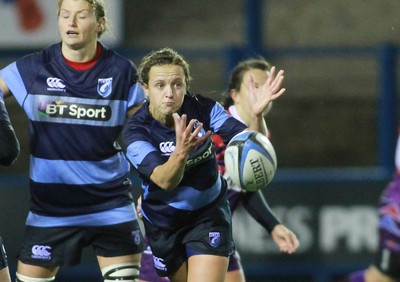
{"x": 167, "y": 186}
{"x": 9, "y": 157}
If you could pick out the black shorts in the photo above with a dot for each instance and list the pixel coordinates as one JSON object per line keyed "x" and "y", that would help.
{"x": 3, "y": 255}
{"x": 62, "y": 246}
{"x": 210, "y": 233}
{"x": 388, "y": 262}
{"x": 148, "y": 273}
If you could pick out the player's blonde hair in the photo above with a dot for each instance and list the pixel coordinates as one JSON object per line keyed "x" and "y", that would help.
{"x": 99, "y": 11}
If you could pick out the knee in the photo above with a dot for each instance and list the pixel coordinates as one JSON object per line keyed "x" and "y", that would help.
{"x": 23, "y": 278}
{"x": 121, "y": 271}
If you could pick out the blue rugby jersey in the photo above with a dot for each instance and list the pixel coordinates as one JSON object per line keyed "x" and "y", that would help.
{"x": 149, "y": 144}
{"x": 75, "y": 117}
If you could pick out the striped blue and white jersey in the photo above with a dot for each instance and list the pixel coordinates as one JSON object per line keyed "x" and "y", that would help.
{"x": 149, "y": 144}
{"x": 75, "y": 117}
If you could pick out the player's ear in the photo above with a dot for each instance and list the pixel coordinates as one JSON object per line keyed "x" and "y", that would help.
{"x": 145, "y": 88}
{"x": 101, "y": 25}
{"x": 234, "y": 95}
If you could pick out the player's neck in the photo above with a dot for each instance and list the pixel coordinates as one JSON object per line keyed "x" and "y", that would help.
{"x": 80, "y": 55}
{"x": 243, "y": 116}
{"x": 87, "y": 64}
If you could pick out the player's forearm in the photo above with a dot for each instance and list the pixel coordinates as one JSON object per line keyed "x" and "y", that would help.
{"x": 168, "y": 175}
{"x": 258, "y": 208}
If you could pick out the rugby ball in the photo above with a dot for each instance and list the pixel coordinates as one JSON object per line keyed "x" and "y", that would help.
{"x": 250, "y": 160}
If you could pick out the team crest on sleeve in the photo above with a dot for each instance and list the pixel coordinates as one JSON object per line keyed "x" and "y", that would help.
{"x": 104, "y": 86}
{"x": 214, "y": 239}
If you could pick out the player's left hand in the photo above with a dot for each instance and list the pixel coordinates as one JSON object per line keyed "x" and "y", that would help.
{"x": 260, "y": 98}
{"x": 285, "y": 239}
{"x": 187, "y": 137}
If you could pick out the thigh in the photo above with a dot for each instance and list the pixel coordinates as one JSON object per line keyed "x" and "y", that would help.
{"x": 5, "y": 274}
{"x": 36, "y": 271}
{"x": 207, "y": 268}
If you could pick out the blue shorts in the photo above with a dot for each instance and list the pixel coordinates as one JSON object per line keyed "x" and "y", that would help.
{"x": 63, "y": 246}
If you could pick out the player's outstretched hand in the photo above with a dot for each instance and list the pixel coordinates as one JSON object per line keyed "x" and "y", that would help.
{"x": 260, "y": 98}
{"x": 285, "y": 239}
{"x": 188, "y": 137}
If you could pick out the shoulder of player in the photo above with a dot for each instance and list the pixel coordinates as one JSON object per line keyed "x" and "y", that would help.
{"x": 140, "y": 119}
{"x": 118, "y": 60}
{"x": 195, "y": 98}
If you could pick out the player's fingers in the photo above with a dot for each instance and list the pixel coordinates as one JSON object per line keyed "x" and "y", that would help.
{"x": 271, "y": 75}
{"x": 278, "y": 94}
{"x": 203, "y": 138}
{"x": 294, "y": 241}
{"x": 183, "y": 119}
{"x": 189, "y": 129}
{"x": 197, "y": 130}
{"x": 277, "y": 83}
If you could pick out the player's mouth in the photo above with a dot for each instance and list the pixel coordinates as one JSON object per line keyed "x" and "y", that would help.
{"x": 71, "y": 33}
{"x": 169, "y": 103}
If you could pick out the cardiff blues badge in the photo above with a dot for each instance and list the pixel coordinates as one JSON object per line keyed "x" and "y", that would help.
{"x": 214, "y": 239}
{"x": 104, "y": 86}
{"x": 136, "y": 236}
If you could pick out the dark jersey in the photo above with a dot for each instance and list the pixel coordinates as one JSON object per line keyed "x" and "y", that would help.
{"x": 150, "y": 143}
{"x": 9, "y": 144}
{"x": 75, "y": 118}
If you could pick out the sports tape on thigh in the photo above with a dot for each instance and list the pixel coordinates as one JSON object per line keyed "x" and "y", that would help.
{"x": 121, "y": 272}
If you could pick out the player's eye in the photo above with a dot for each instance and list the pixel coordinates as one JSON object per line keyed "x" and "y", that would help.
{"x": 64, "y": 15}
{"x": 83, "y": 15}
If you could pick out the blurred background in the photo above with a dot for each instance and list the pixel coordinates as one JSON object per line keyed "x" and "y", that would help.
{"x": 334, "y": 130}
